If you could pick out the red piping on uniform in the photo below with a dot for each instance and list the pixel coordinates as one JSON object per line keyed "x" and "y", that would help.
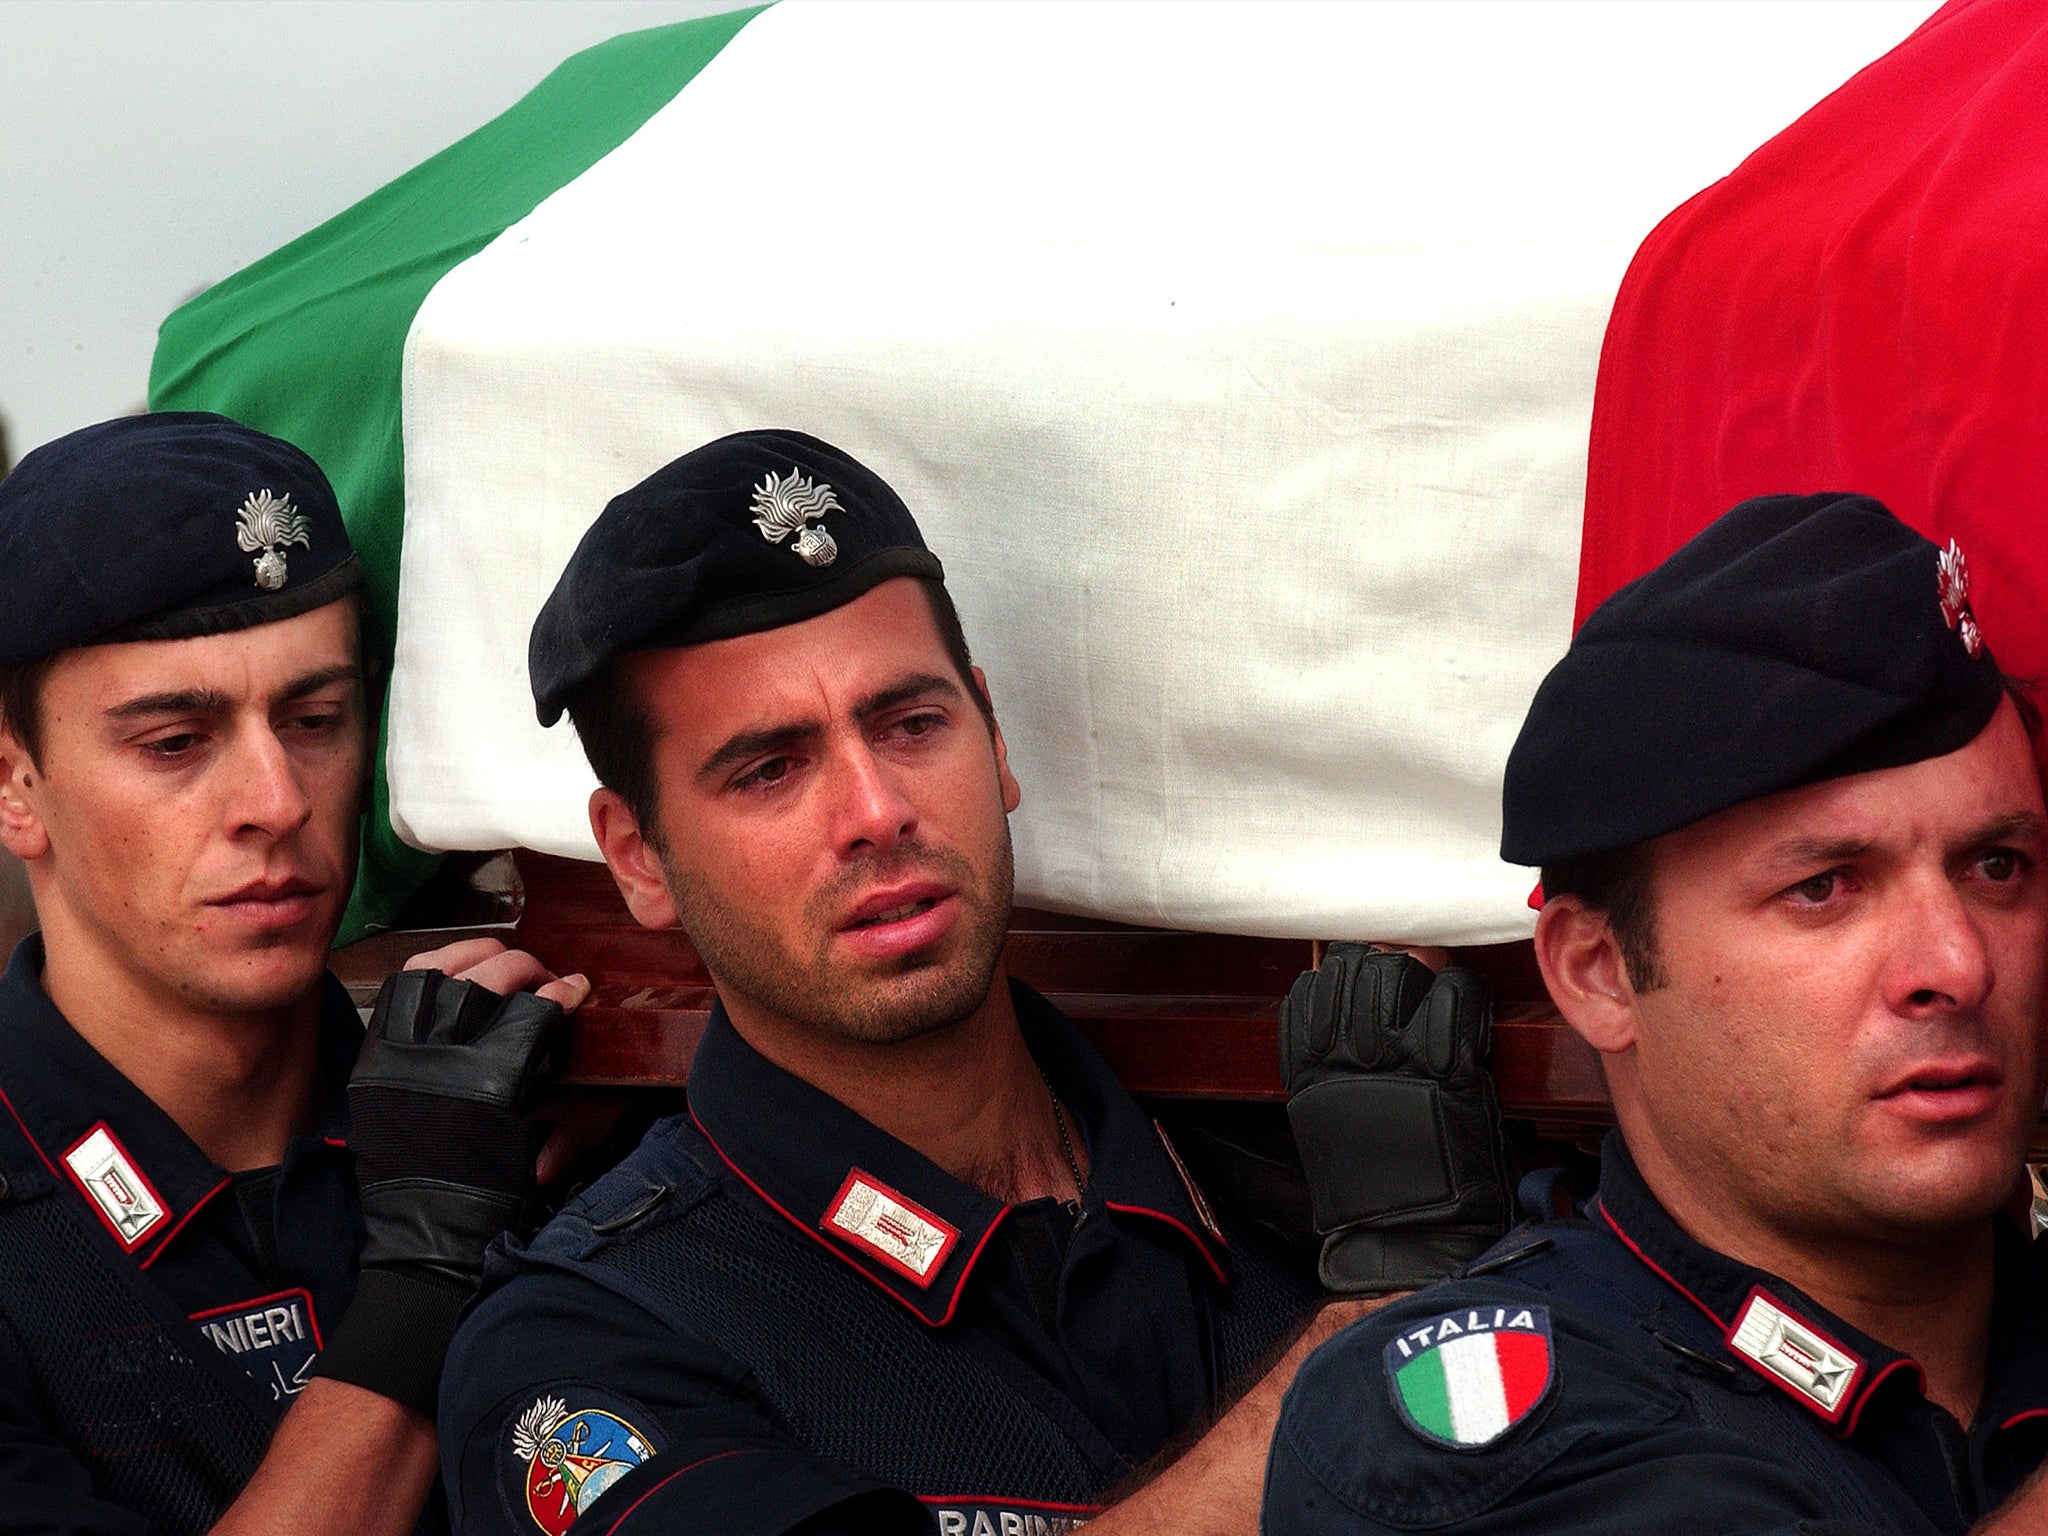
{"x": 968, "y": 1268}
{"x": 847, "y": 1258}
{"x": 1658, "y": 1269}
{"x": 15, "y": 1115}
{"x": 165, "y": 1241}
{"x": 1856, "y": 1412}
{"x": 751, "y": 1450}
{"x": 1175, "y": 1222}
{"x": 336, "y": 1141}
{"x": 998, "y": 1499}
{"x": 2021, "y": 1417}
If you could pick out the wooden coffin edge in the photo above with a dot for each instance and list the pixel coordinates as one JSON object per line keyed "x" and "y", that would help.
{"x": 1177, "y": 1015}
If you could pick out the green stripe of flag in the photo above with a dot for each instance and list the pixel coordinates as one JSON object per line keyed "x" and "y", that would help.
{"x": 1426, "y": 1394}
{"x": 308, "y": 342}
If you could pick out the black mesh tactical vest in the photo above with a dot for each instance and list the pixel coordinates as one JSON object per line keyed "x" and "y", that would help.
{"x": 166, "y": 1425}
{"x": 945, "y": 1411}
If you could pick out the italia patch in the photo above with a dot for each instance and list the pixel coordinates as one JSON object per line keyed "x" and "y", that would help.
{"x": 1466, "y": 1378}
{"x": 894, "y": 1228}
{"x": 127, "y": 1202}
{"x": 563, "y": 1459}
{"x": 1792, "y": 1353}
{"x": 274, "y": 1338}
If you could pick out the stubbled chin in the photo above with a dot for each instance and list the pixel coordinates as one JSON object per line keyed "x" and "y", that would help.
{"x": 265, "y": 977}
{"x": 1931, "y": 1188}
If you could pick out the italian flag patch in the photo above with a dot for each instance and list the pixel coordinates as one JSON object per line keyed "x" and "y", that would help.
{"x": 1468, "y": 1377}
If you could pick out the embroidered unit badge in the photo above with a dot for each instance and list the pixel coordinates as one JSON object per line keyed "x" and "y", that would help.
{"x": 1952, "y": 577}
{"x": 895, "y": 1229}
{"x": 269, "y": 523}
{"x": 789, "y": 504}
{"x": 1466, "y": 1378}
{"x": 1794, "y": 1354}
{"x": 126, "y": 1201}
{"x": 274, "y": 1338}
{"x": 571, "y": 1457}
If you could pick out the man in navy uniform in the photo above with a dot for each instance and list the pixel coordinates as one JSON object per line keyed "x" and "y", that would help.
{"x": 1790, "y": 832}
{"x": 203, "y": 1222}
{"x": 913, "y": 1261}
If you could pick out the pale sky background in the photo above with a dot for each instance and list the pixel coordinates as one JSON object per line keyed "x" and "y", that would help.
{"x": 148, "y": 148}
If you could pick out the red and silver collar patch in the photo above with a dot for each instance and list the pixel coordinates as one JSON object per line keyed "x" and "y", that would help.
{"x": 1785, "y": 1349}
{"x": 890, "y": 1227}
{"x": 127, "y": 1202}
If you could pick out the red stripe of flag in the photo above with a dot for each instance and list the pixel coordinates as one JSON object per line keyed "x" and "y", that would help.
{"x": 1524, "y": 1369}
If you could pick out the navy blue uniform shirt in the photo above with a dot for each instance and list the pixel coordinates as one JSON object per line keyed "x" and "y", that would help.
{"x": 559, "y": 1387}
{"x": 263, "y": 1262}
{"x": 1612, "y": 1375}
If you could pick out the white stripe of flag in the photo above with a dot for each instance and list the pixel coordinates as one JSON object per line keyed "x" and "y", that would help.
{"x": 1472, "y": 1377}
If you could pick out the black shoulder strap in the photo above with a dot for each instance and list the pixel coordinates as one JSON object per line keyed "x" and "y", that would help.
{"x": 166, "y": 1425}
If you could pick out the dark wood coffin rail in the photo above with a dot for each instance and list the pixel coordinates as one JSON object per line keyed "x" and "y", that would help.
{"x": 1177, "y": 1015}
{"x": 1180, "y": 1016}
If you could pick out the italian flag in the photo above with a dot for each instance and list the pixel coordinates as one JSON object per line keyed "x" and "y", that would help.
{"x": 1237, "y": 362}
{"x": 1472, "y": 1389}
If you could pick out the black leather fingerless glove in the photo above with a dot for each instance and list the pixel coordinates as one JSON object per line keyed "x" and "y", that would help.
{"x": 1394, "y": 1113}
{"x": 444, "y": 1162}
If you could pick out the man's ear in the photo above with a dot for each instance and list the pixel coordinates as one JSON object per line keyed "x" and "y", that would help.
{"x": 632, "y": 860}
{"x": 1013, "y": 793}
{"x": 21, "y": 825}
{"x": 1584, "y": 970}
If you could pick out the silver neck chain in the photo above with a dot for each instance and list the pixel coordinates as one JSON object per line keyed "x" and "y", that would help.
{"x": 1059, "y": 1119}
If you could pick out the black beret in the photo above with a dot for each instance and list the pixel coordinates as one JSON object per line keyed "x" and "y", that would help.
{"x": 1795, "y": 639}
{"x": 751, "y": 532}
{"x": 162, "y": 527}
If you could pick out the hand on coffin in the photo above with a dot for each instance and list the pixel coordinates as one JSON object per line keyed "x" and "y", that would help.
{"x": 444, "y": 1147}
{"x": 490, "y": 964}
{"x": 1395, "y": 1117}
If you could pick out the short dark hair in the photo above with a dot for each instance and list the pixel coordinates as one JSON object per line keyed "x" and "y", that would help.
{"x": 617, "y": 731}
{"x": 2021, "y": 691}
{"x": 1618, "y": 885}
{"x": 618, "y": 740}
{"x": 21, "y": 700}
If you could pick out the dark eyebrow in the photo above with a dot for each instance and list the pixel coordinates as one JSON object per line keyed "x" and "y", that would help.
{"x": 2012, "y": 827}
{"x": 918, "y": 686}
{"x": 1806, "y": 851}
{"x": 326, "y": 677}
{"x": 781, "y": 738}
{"x": 191, "y": 701}
{"x": 749, "y": 744}
{"x": 211, "y": 701}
